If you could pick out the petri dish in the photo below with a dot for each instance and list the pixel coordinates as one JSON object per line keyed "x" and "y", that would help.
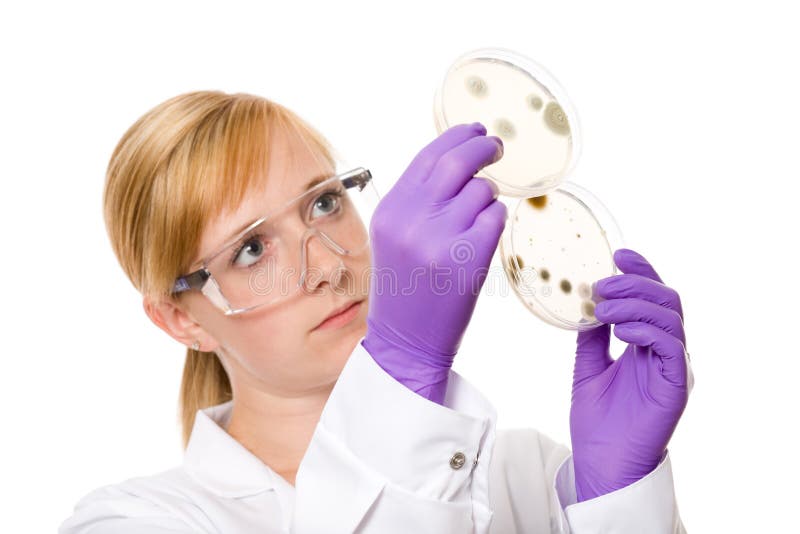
{"x": 519, "y": 101}
{"x": 553, "y": 248}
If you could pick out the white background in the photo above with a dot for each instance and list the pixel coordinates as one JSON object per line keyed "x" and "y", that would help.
{"x": 689, "y": 114}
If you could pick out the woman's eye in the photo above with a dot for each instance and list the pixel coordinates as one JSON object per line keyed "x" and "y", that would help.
{"x": 325, "y": 204}
{"x": 249, "y": 253}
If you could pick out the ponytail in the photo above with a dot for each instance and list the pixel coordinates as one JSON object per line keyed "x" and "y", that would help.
{"x": 205, "y": 383}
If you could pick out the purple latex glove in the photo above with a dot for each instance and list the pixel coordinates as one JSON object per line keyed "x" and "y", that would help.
{"x": 434, "y": 235}
{"x": 624, "y": 411}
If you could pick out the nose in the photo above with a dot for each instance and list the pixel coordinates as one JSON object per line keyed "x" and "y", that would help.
{"x": 321, "y": 262}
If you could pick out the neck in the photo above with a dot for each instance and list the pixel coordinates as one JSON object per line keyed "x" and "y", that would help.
{"x": 277, "y": 429}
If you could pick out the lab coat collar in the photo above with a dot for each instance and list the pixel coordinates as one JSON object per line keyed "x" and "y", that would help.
{"x": 218, "y": 462}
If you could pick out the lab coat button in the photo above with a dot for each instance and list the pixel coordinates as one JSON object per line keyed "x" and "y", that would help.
{"x": 457, "y": 461}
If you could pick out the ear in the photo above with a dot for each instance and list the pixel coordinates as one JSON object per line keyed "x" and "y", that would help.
{"x": 178, "y": 323}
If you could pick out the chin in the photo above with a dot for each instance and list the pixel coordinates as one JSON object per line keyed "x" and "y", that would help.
{"x": 340, "y": 338}
{"x": 356, "y": 331}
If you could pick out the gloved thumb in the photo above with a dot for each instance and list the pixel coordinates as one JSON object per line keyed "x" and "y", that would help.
{"x": 592, "y": 355}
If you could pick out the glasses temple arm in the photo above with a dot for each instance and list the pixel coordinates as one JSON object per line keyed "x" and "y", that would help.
{"x": 194, "y": 280}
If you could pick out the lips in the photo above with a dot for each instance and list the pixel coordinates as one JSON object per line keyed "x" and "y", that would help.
{"x": 338, "y": 310}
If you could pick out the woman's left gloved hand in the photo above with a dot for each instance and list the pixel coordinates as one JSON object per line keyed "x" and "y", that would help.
{"x": 624, "y": 411}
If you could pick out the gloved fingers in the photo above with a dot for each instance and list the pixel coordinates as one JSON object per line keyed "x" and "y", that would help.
{"x": 592, "y": 355}
{"x": 628, "y": 310}
{"x": 486, "y": 230}
{"x": 630, "y": 261}
{"x": 669, "y": 349}
{"x": 423, "y": 163}
{"x": 638, "y": 286}
{"x": 473, "y": 198}
{"x": 459, "y": 165}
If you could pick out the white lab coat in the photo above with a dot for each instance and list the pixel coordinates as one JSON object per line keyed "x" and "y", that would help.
{"x": 382, "y": 460}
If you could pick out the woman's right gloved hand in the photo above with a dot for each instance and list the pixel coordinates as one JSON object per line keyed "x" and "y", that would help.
{"x": 432, "y": 239}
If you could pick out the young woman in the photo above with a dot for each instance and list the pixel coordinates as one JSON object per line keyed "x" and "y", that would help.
{"x": 318, "y": 394}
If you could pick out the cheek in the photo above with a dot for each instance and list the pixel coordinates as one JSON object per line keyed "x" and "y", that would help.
{"x": 361, "y": 277}
{"x": 257, "y": 334}
{"x": 273, "y": 333}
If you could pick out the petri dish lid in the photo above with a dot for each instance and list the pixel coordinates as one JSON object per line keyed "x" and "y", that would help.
{"x": 554, "y": 247}
{"x": 520, "y": 102}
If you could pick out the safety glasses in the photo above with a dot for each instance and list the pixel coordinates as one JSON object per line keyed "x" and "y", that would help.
{"x": 267, "y": 262}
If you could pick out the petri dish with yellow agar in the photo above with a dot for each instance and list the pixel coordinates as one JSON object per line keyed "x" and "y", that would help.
{"x": 553, "y": 248}
{"x": 523, "y": 104}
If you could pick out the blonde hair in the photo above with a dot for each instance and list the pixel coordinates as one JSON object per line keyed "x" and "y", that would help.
{"x": 178, "y": 166}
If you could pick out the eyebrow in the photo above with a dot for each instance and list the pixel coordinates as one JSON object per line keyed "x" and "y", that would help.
{"x": 317, "y": 180}
{"x": 310, "y": 185}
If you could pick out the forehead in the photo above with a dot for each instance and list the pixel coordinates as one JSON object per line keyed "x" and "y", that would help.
{"x": 292, "y": 167}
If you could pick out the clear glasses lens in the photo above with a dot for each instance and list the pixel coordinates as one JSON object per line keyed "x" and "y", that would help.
{"x": 269, "y": 262}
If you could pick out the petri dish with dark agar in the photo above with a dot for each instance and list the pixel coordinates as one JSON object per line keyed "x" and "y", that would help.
{"x": 520, "y": 102}
{"x": 553, "y": 248}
